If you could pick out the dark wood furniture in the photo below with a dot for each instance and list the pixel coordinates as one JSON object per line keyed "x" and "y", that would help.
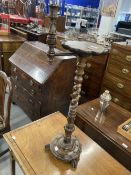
{"x": 117, "y": 78}
{"x": 8, "y": 45}
{"x": 5, "y": 105}
{"x": 94, "y": 73}
{"x": 30, "y": 154}
{"x": 41, "y": 88}
{"x": 32, "y": 36}
{"x": 103, "y": 130}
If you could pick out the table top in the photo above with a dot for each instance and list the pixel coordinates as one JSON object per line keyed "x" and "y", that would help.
{"x": 84, "y": 47}
{"x": 108, "y": 123}
{"x": 27, "y": 144}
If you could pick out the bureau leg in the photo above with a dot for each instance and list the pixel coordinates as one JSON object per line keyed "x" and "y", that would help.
{"x": 12, "y": 163}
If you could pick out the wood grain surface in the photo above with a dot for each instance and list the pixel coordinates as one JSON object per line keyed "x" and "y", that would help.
{"x": 27, "y": 144}
{"x": 103, "y": 129}
{"x": 41, "y": 88}
{"x": 117, "y": 77}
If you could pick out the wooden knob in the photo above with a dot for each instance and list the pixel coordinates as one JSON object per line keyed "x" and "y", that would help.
{"x": 82, "y": 92}
{"x": 116, "y": 100}
{"x": 125, "y": 71}
{"x": 86, "y": 77}
{"x": 88, "y": 65}
{"x": 128, "y": 58}
{"x": 120, "y": 85}
{"x": 2, "y": 56}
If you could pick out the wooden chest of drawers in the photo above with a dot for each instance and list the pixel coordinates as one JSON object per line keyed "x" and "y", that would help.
{"x": 94, "y": 72}
{"x": 117, "y": 78}
{"x": 41, "y": 88}
{"x": 8, "y": 45}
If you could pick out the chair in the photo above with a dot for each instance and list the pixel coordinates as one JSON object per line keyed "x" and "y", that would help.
{"x": 5, "y": 105}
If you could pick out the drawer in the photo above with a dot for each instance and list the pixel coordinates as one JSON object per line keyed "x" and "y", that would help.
{"x": 10, "y": 46}
{"x": 119, "y": 99}
{"x": 118, "y": 85}
{"x": 121, "y": 55}
{"x": 21, "y": 78}
{"x": 95, "y": 69}
{"x": 30, "y": 105}
{"x": 91, "y": 86}
{"x": 91, "y": 82}
{"x": 119, "y": 69}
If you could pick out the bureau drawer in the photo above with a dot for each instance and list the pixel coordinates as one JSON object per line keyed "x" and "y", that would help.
{"x": 121, "y": 55}
{"x": 91, "y": 86}
{"x": 119, "y": 69}
{"x": 30, "y": 105}
{"x": 10, "y": 46}
{"x": 22, "y": 79}
{"x": 118, "y": 85}
{"x": 117, "y": 98}
{"x": 93, "y": 68}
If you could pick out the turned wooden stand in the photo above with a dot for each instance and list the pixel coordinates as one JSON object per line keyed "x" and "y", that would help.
{"x": 27, "y": 148}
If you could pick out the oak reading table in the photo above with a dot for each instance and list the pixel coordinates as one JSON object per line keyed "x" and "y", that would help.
{"x": 27, "y": 148}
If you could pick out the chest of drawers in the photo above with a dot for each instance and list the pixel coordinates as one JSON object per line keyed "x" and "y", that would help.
{"x": 8, "y": 45}
{"x": 94, "y": 72}
{"x": 41, "y": 88}
{"x": 117, "y": 78}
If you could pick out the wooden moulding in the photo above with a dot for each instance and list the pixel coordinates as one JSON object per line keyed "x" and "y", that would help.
{"x": 126, "y": 134}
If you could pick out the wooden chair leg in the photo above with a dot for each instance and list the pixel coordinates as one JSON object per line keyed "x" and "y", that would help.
{"x": 12, "y": 163}
{"x": 4, "y": 152}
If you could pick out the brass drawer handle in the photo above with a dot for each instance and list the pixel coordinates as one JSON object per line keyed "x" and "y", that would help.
{"x": 128, "y": 58}
{"x": 88, "y": 65}
{"x": 32, "y": 92}
{"x": 125, "y": 71}
{"x": 31, "y": 83}
{"x": 15, "y": 87}
{"x": 2, "y": 56}
{"x": 120, "y": 85}
{"x": 116, "y": 100}
{"x": 31, "y": 101}
{"x": 14, "y": 70}
{"x": 16, "y": 78}
{"x": 86, "y": 77}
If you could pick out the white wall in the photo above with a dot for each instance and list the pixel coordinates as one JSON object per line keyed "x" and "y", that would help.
{"x": 126, "y": 5}
{"x": 107, "y": 24}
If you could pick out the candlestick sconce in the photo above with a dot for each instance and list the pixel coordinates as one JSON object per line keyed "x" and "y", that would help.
{"x": 67, "y": 147}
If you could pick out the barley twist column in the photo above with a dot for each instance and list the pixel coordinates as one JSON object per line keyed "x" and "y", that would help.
{"x": 69, "y": 128}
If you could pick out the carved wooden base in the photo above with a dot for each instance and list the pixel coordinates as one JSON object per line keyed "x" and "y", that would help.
{"x": 67, "y": 152}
